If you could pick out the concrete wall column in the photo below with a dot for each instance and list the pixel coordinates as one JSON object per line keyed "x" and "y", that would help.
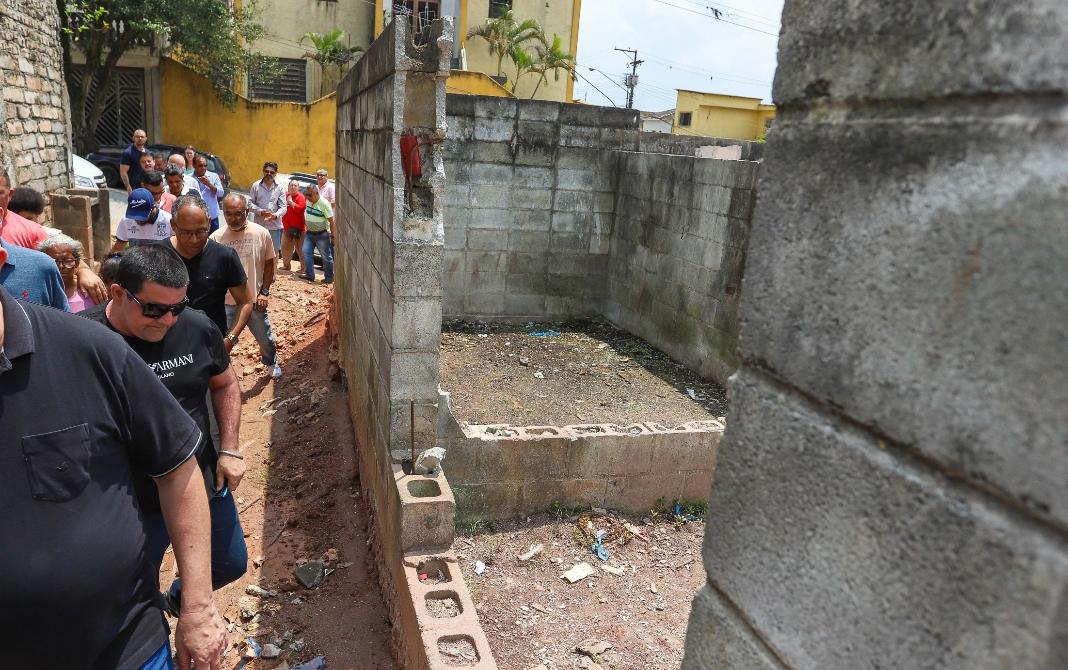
{"x": 891, "y": 488}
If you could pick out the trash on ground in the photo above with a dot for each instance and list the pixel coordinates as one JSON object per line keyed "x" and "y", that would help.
{"x": 598, "y": 546}
{"x": 578, "y": 573}
{"x": 539, "y": 375}
{"x": 254, "y": 649}
{"x": 693, "y": 394}
{"x": 311, "y": 574}
{"x": 544, "y": 333}
{"x": 613, "y": 570}
{"x": 480, "y": 567}
{"x": 317, "y": 663}
{"x": 652, "y": 588}
{"x": 429, "y": 461}
{"x": 534, "y": 550}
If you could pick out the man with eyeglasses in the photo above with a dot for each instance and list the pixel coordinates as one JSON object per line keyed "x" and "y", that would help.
{"x": 210, "y": 187}
{"x": 326, "y": 189}
{"x": 267, "y": 200}
{"x": 183, "y": 347}
{"x": 82, "y": 418}
{"x": 214, "y": 269}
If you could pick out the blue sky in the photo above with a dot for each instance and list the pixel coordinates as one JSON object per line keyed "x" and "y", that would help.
{"x": 681, "y": 47}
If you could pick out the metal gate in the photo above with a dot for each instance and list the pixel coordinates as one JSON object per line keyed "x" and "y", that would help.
{"x": 124, "y": 105}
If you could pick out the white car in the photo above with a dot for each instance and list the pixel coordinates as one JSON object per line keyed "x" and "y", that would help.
{"x": 87, "y": 175}
{"x": 303, "y": 178}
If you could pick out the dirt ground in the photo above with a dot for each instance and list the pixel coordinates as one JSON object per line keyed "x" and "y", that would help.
{"x": 533, "y": 617}
{"x": 591, "y": 372}
{"x": 301, "y": 500}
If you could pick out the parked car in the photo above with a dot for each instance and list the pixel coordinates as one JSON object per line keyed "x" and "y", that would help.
{"x": 107, "y": 159}
{"x": 87, "y": 175}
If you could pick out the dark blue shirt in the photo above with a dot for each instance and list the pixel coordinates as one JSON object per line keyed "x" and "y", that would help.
{"x": 131, "y": 157}
{"x": 81, "y": 416}
{"x": 33, "y": 276}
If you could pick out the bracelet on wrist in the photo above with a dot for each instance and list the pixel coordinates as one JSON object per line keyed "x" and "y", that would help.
{"x": 231, "y": 454}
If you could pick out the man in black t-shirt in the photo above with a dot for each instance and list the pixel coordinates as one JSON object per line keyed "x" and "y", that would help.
{"x": 130, "y": 163}
{"x": 76, "y": 591}
{"x": 213, "y": 268}
{"x": 186, "y": 351}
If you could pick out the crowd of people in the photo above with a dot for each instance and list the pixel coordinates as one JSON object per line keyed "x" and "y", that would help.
{"x": 120, "y": 429}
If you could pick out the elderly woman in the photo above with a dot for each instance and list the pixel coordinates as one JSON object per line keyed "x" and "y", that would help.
{"x": 67, "y": 252}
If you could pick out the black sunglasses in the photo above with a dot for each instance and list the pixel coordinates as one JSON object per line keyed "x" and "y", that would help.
{"x": 154, "y": 310}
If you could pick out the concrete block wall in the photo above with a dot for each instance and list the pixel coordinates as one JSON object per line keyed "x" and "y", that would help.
{"x": 35, "y": 111}
{"x": 529, "y": 206}
{"x": 387, "y": 319}
{"x": 505, "y": 472}
{"x": 678, "y": 255}
{"x": 890, "y": 491}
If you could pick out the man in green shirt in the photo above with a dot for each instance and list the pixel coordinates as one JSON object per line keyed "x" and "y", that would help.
{"x": 319, "y": 234}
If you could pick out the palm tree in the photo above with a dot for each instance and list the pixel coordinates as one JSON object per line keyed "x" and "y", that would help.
{"x": 504, "y": 36}
{"x": 330, "y": 51}
{"x": 552, "y": 58}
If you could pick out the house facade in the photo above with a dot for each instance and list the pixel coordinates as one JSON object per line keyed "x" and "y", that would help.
{"x": 719, "y": 115}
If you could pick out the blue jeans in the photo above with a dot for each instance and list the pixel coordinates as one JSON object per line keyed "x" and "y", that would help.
{"x": 161, "y": 660}
{"x": 320, "y": 241}
{"x": 229, "y": 555}
{"x": 276, "y": 237}
{"x": 213, "y": 225}
{"x": 260, "y": 325}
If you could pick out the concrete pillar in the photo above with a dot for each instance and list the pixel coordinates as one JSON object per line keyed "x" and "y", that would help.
{"x": 892, "y": 488}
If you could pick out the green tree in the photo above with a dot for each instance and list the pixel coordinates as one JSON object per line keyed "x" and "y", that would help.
{"x": 552, "y": 58}
{"x": 331, "y": 51}
{"x": 505, "y": 36}
{"x": 208, "y": 36}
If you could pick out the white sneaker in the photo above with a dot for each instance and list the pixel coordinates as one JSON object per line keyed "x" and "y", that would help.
{"x": 276, "y": 371}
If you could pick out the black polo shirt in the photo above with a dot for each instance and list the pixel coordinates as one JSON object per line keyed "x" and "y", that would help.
{"x": 212, "y": 273}
{"x": 185, "y": 360}
{"x": 81, "y": 415}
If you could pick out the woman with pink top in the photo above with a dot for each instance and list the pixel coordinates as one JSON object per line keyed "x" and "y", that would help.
{"x": 67, "y": 252}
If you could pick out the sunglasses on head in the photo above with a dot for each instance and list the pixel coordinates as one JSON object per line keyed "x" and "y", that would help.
{"x": 154, "y": 310}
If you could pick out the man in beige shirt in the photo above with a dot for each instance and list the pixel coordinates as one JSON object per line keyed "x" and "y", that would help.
{"x": 255, "y": 248}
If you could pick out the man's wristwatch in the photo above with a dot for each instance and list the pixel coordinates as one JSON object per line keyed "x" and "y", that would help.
{"x": 231, "y": 337}
{"x": 265, "y": 292}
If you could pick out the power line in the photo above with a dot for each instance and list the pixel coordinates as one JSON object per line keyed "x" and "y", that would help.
{"x": 632, "y": 78}
{"x": 740, "y": 13}
{"x": 579, "y": 74}
{"x": 696, "y": 70}
{"x": 717, "y": 18}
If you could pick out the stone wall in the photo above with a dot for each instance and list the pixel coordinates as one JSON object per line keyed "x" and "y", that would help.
{"x": 556, "y": 211}
{"x": 890, "y": 490}
{"x": 678, "y": 256}
{"x": 34, "y": 117}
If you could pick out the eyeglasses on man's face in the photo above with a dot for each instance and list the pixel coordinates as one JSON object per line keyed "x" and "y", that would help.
{"x": 155, "y": 310}
{"x": 199, "y": 232}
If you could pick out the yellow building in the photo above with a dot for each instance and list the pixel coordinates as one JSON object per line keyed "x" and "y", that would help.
{"x": 559, "y": 17}
{"x": 285, "y": 23}
{"x": 719, "y": 115}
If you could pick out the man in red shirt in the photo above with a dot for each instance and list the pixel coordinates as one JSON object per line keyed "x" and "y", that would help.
{"x": 22, "y": 232}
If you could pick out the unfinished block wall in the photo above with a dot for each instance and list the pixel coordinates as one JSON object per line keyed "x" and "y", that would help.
{"x": 389, "y": 260}
{"x": 891, "y": 488}
{"x": 529, "y": 206}
{"x": 678, "y": 256}
{"x": 34, "y": 114}
{"x": 555, "y": 211}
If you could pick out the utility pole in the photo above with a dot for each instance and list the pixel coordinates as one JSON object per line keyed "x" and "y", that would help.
{"x": 632, "y": 79}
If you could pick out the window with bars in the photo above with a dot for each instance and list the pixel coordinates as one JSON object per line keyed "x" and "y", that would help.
{"x": 291, "y": 83}
{"x": 497, "y": 8}
{"x": 685, "y": 118}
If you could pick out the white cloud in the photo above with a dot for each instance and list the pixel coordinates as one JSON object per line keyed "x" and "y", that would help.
{"x": 681, "y": 49}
